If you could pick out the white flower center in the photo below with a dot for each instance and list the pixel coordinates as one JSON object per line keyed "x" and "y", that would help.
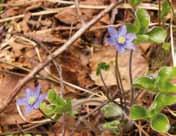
{"x": 121, "y": 39}
{"x": 32, "y": 100}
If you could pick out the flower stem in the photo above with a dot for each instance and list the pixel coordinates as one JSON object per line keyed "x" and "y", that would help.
{"x": 131, "y": 77}
{"x": 107, "y": 91}
{"x": 106, "y": 87}
{"x": 119, "y": 81}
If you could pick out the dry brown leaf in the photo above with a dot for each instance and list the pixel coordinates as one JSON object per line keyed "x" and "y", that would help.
{"x": 45, "y": 37}
{"x": 107, "y": 55}
{"x": 11, "y": 12}
{"x": 19, "y": 53}
{"x": 73, "y": 71}
{"x": 69, "y": 16}
{"x": 24, "y": 24}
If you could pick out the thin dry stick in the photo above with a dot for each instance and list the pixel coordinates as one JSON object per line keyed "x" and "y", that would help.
{"x": 56, "y": 10}
{"x": 47, "y": 12}
{"x": 42, "y": 65}
{"x": 172, "y": 40}
{"x": 79, "y": 12}
{"x": 51, "y": 78}
{"x": 56, "y": 81}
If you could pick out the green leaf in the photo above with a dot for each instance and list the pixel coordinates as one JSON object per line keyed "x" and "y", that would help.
{"x": 157, "y": 35}
{"x": 138, "y": 112}
{"x": 112, "y": 126}
{"x": 57, "y": 105}
{"x": 166, "y": 8}
{"x": 102, "y": 66}
{"x": 145, "y": 82}
{"x": 52, "y": 95}
{"x": 166, "y": 73}
{"x": 1, "y": 8}
{"x": 165, "y": 99}
{"x": 160, "y": 123}
{"x": 161, "y": 101}
{"x": 135, "y": 27}
{"x": 166, "y": 46}
{"x": 163, "y": 81}
{"x": 135, "y": 2}
{"x": 54, "y": 98}
{"x": 68, "y": 107}
{"x": 111, "y": 110}
{"x": 141, "y": 38}
{"x": 49, "y": 110}
{"x": 167, "y": 87}
{"x": 144, "y": 19}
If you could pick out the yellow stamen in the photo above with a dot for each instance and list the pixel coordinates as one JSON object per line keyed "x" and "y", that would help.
{"x": 32, "y": 100}
{"x": 121, "y": 40}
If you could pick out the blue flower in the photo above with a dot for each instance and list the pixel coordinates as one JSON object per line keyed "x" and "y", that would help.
{"x": 32, "y": 99}
{"x": 121, "y": 39}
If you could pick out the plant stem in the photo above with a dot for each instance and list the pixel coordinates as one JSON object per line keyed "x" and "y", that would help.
{"x": 159, "y": 11}
{"x": 119, "y": 81}
{"x": 106, "y": 87}
{"x": 131, "y": 77}
{"x": 107, "y": 91}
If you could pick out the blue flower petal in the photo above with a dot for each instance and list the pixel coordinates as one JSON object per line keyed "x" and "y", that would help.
{"x": 29, "y": 93}
{"x": 111, "y": 41}
{"x": 37, "y": 91}
{"x": 39, "y": 100}
{"x": 120, "y": 48}
{"x": 112, "y": 32}
{"x": 130, "y": 37}
{"x": 122, "y": 31}
{"x": 28, "y": 109}
{"x": 22, "y": 101}
{"x": 129, "y": 46}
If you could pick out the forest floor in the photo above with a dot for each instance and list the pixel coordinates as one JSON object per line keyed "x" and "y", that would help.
{"x": 62, "y": 45}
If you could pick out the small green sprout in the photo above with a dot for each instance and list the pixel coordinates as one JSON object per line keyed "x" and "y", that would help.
{"x": 57, "y": 105}
{"x": 102, "y": 66}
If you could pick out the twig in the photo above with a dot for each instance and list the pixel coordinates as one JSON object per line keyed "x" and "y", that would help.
{"x": 159, "y": 12}
{"x": 25, "y": 130}
{"x": 94, "y": 28}
{"x": 172, "y": 40}
{"x": 106, "y": 87}
{"x": 79, "y": 12}
{"x": 89, "y": 114}
{"x": 53, "y": 79}
{"x": 31, "y": 122}
{"x": 50, "y": 11}
{"x": 56, "y": 10}
{"x": 42, "y": 65}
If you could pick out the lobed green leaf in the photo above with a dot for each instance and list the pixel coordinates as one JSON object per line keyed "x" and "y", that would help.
{"x": 135, "y": 2}
{"x": 158, "y": 35}
{"x": 160, "y": 123}
{"x": 138, "y": 112}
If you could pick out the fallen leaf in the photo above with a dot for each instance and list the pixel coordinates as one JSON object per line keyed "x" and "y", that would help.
{"x": 69, "y": 16}
{"x": 107, "y": 55}
{"x": 45, "y": 37}
{"x": 73, "y": 71}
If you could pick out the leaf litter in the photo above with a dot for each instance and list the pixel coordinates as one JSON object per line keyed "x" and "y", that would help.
{"x": 20, "y": 52}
